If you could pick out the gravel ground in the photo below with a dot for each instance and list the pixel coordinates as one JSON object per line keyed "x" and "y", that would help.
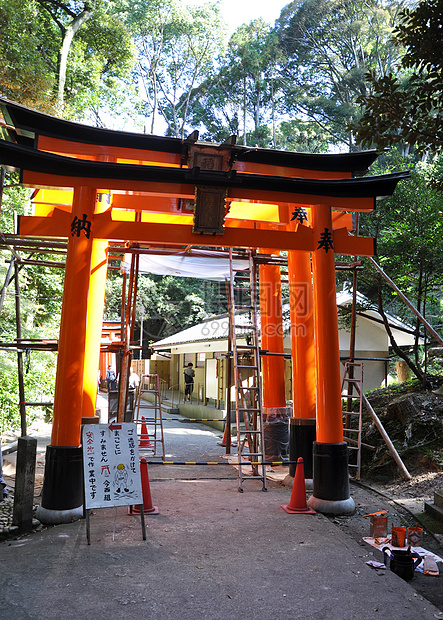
{"x": 6, "y": 507}
{"x": 7, "y": 530}
{"x": 420, "y": 488}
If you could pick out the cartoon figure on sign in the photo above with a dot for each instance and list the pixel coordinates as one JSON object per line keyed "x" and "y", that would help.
{"x": 121, "y": 478}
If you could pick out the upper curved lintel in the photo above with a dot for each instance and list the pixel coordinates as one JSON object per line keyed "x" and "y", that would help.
{"x": 37, "y": 123}
{"x": 25, "y": 158}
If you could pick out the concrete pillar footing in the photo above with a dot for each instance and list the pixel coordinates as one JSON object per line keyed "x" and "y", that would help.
{"x": 56, "y": 517}
{"x": 289, "y": 482}
{"x": 332, "y": 507}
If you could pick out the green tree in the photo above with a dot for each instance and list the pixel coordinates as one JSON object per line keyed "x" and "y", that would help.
{"x": 67, "y": 57}
{"x": 409, "y": 232}
{"x": 329, "y": 46}
{"x": 176, "y": 47}
{"x": 39, "y": 383}
{"x": 69, "y": 17}
{"x": 215, "y": 108}
{"x": 25, "y": 76}
{"x": 167, "y": 304}
{"x": 41, "y": 290}
{"x": 252, "y": 57}
{"x": 241, "y": 96}
{"x": 301, "y": 136}
{"x": 406, "y": 105}
{"x": 91, "y": 36}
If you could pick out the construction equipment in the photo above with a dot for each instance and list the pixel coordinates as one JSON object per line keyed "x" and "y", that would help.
{"x": 352, "y": 416}
{"x": 245, "y": 351}
{"x": 148, "y": 417}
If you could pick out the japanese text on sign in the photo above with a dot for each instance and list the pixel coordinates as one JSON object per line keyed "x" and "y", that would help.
{"x": 111, "y": 465}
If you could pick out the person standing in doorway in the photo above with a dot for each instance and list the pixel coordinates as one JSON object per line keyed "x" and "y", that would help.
{"x": 189, "y": 373}
{"x": 111, "y": 382}
{"x": 134, "y": 380}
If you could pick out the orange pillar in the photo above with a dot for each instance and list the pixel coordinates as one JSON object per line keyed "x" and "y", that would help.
{"x": 99, "y": 262}
{"x": 96, "y": 297}
{"x": 301, "y": 302}
{"x": 62, "y": 494}
{"x": 329, "y": 409}
{"x": 273, "y": 367}
{"x": 275, "y": 423}
{"x": 302, "y": 334}
{"x": 330, "y": 460}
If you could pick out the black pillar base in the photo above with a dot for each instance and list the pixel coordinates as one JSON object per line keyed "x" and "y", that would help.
{"x": 331, "y": 492}
{"x": 62, "y": 494}
{"x": 301, "y": 437}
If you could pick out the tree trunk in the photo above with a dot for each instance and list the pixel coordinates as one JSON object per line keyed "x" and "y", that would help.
{"x": 8, "y": 280}
{"x": 244, "y": 111}
{"x": 417, "y": 372}
{"x": 273, "y": 112}
{"x": 417, "y": 323}
{"x": 155, "y": 103}
{"x": 425, "y": 365}
{"x": 68, "y": 35}
{"x": 257, "y": 114}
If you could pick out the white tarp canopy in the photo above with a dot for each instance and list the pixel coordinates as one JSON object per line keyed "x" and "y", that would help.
{"x": 187, "y": 266}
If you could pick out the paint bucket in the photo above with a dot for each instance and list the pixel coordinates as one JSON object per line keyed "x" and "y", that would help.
{"x": 398, "y": 536}
{"x": 378, "y": 526}
{"x": 415, "y": 536}
{"x": 402, "y": 563}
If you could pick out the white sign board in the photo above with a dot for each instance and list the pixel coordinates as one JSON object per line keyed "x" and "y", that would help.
{"x": 111, "y": 465}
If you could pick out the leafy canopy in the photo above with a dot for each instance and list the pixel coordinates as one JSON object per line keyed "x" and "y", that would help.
{"x": 327, "y": 48}
{"x": 406, "y": 105}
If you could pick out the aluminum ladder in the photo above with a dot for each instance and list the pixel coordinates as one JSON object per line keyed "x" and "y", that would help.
{"x": 351, "y": 392}
{"x": 148, "y": 418}
{"x": 245, "y": 351}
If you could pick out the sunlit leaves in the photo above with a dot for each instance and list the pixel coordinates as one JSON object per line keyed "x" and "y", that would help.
{"x": 329, "y": 46}
{"x": 31, "y": 55}
{"x": 407, "y": 105}
{"x": 177, "y": 46}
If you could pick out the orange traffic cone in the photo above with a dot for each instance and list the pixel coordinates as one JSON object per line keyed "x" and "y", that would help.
{"x": 148, "y": 508}
{"x": 144, "y": 437}
{"x": 298, "y": 504}
{"x": 223, "y": 442}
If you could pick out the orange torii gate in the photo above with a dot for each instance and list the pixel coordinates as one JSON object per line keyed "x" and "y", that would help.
{"x": 158, "y": 191}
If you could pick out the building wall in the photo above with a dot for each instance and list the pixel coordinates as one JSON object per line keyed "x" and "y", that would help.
{"x": 140, "y": 367}
{"x": 374, "y": 371}
{"x": 162, "y": 368}
{"x": 370, "y": 336}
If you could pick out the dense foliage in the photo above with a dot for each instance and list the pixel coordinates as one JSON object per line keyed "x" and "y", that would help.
{"x": 408, "y": 228}
{"x": 41, "y": 291}
{"x": 406, "y": 105}
{"x": 71, "y": 58}
{"x": 39, "y": 380}
{"x": 166, "y": 305}
{"x": 327, "y": 47}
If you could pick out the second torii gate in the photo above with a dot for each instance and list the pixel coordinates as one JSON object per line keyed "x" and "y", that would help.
{"x": 163, "y": 191}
